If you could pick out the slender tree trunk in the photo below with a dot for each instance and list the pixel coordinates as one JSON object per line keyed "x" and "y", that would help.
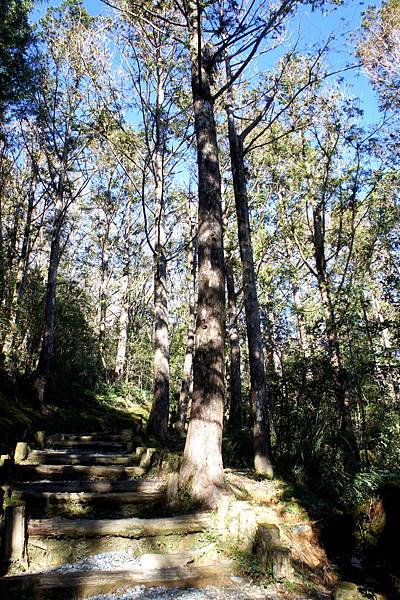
{"x": 2, "y": 260}
{"x": 187, "y": 376}
{"x": 339, "y": 371}
{"x": 46, "y": 352}
{"x": 103, "y": 294}
{"x": 235, "y": 380}
{"x": 259, "y": 392}
{"x": 384, "y": 369}
{"x": 123, "y": 328}
{"x": 158, "y": 420}
{"x": 20, "y": 278}
{"x": 201, "y": 470}
{"x": 301, "y": 322}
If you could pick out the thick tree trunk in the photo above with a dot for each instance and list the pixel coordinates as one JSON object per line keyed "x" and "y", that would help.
{"x": 202, "y": 471}
{"x": 123, "y": 328}
{"x": 158, "y": 420}
{"x": 259, "y": 392}
{"x": 235, "y": 380}
{"x": 46, "y": 352}
{"x": 187, "y": 376}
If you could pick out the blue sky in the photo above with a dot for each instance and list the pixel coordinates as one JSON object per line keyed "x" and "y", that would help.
{"x": 313, "y": 29}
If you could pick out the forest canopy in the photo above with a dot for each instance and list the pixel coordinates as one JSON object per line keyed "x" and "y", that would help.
{"x": 200, "y": 218}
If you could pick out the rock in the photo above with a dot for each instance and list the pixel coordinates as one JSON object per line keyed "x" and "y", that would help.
{"x": 21, "y": 452}
{"x": 147, "y": 457}
{"x": 345, "y": 590}
{"x": 236, "y": 522}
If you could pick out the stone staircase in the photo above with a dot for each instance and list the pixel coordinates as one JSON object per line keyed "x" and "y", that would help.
{"x": 80, "y": 496}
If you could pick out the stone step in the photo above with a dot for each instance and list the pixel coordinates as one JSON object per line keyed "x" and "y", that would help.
{"x": 84, "y": 584}
{"x": 130, "y": 528}
{"x": 65, "y": 457}
{"x": 30, "y": 472}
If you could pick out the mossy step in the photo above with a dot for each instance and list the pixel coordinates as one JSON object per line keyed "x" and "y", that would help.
{"x": 116, "y": 498}
{"x": 51, "y": 552}
{"x": 66, "y": 457}
{"x": 26, "y": 472}
{"x": 130, "y": 528}
{"x": 84, "y": 584}
{"x": 143, "y": 485}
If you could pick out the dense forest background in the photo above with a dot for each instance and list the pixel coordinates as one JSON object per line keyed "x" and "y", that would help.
{"x": 103, "y": 256}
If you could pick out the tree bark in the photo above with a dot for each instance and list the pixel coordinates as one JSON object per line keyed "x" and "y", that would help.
{"x": 258, "y": 392}
{"x": 105, "y": 259}
{"x": 123, "y": 328}
{"x": 201, "y": 470}
{"x": 235, "y": 380}
{"x": 187, "y": 376}
{"x": 384, "y": 370}
{"x": 46, "y": 352}
{"x": 20, "y": 277}
{"x": 158, "y": 419}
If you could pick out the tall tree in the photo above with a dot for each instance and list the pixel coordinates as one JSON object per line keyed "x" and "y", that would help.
{"x": 61, "y": 114}
{"x": 201, "y": 468}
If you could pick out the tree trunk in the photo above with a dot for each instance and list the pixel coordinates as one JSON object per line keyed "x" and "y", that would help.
{"x": 20, "y": 278}
{"x": 46, "y": 352}
{"x": 123, "y": 328}
{"x": 350, "y": 448}
{"x": 187, "y": 376}
{"x": 258, "y": 393}
{"x": 202, "y": 471}
{"x": 2, "y": 259}
{"x": 235, "y": 380}
{"x": 301, "y": 321}
{"x": 158, "y": 420}
{"x": 385, "y": 369}
{"x": 103, "y": 293}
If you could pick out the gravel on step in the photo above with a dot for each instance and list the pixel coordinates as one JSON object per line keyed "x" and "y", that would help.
{"x": 106, "y": 561}
{"x": 242, "y": 591}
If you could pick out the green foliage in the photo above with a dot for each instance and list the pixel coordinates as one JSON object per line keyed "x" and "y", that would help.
{"x": 250, "y": 567}
{"x": 75, "y": 365}
{"x": 16, "y": 72}
{"x": 366, "y": 484}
